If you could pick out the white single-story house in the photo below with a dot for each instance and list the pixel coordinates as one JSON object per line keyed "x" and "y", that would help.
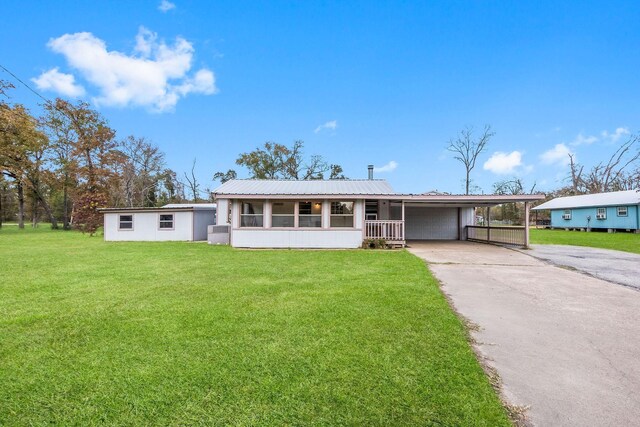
{"x": 616, "y": 210}
{"x": 342, "y": 214}
{"x": 181, "y": 222}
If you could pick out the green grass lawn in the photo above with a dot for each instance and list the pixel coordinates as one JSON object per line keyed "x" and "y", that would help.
{"x": 192, "y": 334}
{"x": 627, "y": 242}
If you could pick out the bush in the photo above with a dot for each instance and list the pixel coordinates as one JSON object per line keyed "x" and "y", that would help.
{"x": 374, "y": 244}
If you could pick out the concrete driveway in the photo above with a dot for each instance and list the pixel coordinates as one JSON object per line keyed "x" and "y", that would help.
{"x": 565, "y": 344}
{"x": 613, "y": 266}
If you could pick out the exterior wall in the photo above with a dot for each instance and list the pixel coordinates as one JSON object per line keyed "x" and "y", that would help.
{"x": 428, "y": 223}
{"x": 146, "y": 227}
{"x": 579, "y": 218}
{"x": 323, "y": 237}
{"x": 275, "y": 238}
{"x": 201, "y": 219}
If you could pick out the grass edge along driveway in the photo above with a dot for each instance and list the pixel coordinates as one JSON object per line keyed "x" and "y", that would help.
{"x": 626, "y": 242}
{"x": 191, "y": 334}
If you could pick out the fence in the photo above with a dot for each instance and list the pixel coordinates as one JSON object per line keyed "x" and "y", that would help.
{"x": 504, "y": 235}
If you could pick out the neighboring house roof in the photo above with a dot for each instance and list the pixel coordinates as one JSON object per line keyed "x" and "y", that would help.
{"x": 337, "y": 187}
{"x": 614, "y": 198}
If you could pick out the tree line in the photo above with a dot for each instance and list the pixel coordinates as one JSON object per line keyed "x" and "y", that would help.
{"x": 64, "y": 164}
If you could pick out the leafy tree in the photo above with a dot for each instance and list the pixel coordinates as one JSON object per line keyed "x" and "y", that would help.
{"x": 86, "y": 217}
{"x": 225, "y": 176}
{"x": 467, "y": 148}
{"x": 277, "y": 161}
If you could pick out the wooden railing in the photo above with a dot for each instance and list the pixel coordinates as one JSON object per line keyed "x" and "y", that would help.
{"x": 504, "y": 235}
{"x": 391, "y": 231}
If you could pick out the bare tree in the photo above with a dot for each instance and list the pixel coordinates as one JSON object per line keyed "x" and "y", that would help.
{"x": 192, "y": 184}
{"x": 467, "y": 148}
{"x": 620, "y": 172}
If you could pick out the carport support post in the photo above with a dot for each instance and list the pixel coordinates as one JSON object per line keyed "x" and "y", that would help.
{"x": 488, "y": 223}
{"x": 526, "y": 225}
{"x": 403, "y": 237}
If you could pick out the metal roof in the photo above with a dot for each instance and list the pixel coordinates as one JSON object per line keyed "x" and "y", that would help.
{"x": 614, "y": 198}
{"x": 337, "y": 187}
{"x": 190, "y": 205}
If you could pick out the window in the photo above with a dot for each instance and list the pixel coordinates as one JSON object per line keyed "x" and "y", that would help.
{"x": 166, "y": 221}
{"x": 251, "y": 214}
{"x": 601, "y": 213}
{"x": 283, "y": 214}
{"x": 622, "y": 211}
{"x": 566, "y": 214}
{"x": 341, "y": 214}
{"x": 125, "y": 222}
{"x": 310, "y": 214}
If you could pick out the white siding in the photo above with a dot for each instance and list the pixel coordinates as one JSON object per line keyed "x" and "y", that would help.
{"x": 202, "y": 219}
{"x": 422, "y": 223}
{"x": 146, "y": 227}
{"x": 272, "y": 238}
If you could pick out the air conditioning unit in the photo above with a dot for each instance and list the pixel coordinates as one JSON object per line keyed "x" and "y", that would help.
{"x": 601, "y": 216}
{"x": 566, "y": 216}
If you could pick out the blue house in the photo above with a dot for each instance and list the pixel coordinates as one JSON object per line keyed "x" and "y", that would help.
{"x": 617, "y": 210}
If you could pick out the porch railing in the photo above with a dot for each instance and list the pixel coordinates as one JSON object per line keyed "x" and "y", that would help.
{"x": 504, "y": 235}
{"x": 389, "y": 230}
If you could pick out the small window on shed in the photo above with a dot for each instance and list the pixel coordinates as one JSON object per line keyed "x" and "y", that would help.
{"x": 166, "y": 221}
{"x": 601, "y": 213}
{"x": 622, "y": 211}
{"x": 566, "y": 214}
{"x": 125, "y": 222}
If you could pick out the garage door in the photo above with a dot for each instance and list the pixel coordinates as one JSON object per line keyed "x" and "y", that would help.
{"x": 431, "y": 223}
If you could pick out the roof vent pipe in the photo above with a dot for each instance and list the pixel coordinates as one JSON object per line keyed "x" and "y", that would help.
{"x": 370, "y": 168}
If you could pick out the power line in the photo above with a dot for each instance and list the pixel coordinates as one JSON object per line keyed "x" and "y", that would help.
{"x": 24, "y": 84}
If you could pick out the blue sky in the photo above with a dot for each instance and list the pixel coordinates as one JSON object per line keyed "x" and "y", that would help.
{"x": 383, "y": 83}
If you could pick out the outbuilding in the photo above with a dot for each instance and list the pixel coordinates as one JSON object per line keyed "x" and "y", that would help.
{"x": 180, "y": 222}
{"x": 616, "y": 210}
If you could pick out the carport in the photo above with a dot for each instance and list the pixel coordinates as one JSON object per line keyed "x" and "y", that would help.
{"x": 445, "y": 217}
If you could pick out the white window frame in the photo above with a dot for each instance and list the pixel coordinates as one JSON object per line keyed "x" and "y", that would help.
{"x": 120, "y": 222}
{"x": 566, "y": 214}
{"x": 262, "y": 202}
{"x": 292, "y": 214}
{"x": 299, "y": 215}
{"x": 160, "y": 221}
{"x": 352, "y": 215}
{"x": 624, "y": 209}
{"x": 601, "y": 213}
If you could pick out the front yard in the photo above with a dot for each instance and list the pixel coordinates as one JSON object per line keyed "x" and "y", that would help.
{"x": 187, "y": 333}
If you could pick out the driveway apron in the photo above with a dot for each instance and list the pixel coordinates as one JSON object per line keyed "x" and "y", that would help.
{"x": 565, "y": 344}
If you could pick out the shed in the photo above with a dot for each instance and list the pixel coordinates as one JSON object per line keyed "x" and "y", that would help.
{"x": 616, "y": 210}
{"x": 178, "y": 221}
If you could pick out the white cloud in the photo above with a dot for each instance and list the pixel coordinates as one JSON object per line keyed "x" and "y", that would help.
{"x": 503, "y": 163}
{"x": 155, "y": 76}
{"x": 616, "y": 135}
{"x": 557, "y": 155}
{"x": 64, "y": 84}
{"x": 165, "y": 6}
{"x": 331, "y": 125}
{"x": 389, "y": 167}
{"x": 583, "y": 140}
